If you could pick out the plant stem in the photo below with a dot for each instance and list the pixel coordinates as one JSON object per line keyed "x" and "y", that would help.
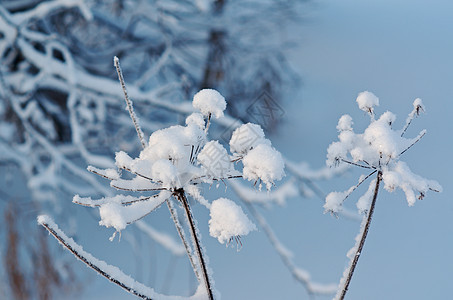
{"x": 196, "y": 241}
{"x": 174, "y": 216}
{"x": 362, "y": 238}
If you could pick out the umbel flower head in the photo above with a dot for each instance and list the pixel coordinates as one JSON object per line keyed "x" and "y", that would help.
{"x": 180, "y": 158}
{"x": 378, "y": 149}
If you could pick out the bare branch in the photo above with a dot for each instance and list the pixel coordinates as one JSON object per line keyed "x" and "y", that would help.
{"x": 353, "y": 188}
{"x": 356, "y": 164}
{"x": 121, "y": 279}
{"x": 182, "y": 235}
{"x": 420, "y": 135}
{"x": 88, "y": 202}
{"x": 130, "y": 108}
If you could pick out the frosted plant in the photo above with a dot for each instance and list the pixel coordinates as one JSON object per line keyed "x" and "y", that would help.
{"x": 171, "y": 165}
{"x": 61, "y": 107}
{"x": 378, "y": 149}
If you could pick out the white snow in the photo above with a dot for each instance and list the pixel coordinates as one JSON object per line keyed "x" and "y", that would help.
{"x": 345, "y": 123}
{"x": 209, "y": 102}
{"x": 164, "y": 172}
{"x": 367, "y": 101}
{"x": 215, "y": 160}
{"x": 122, "y": 199}
{"x": 228, "y": 220}
{"x": 363, "y": 205}
{"x": 263, "y": 163}
{"x": 247, "y": 137}
{"x": 414, "y": 186}
{"x": 334, "y": 201}
{"x": 115, "y": 215}
{"x": 418, "y": 104}
{"x": 107, "y": 173}
{"x": 196, "y": 119}
{"x": 378, "y": 148}
{"x": 111, "y": 272}
{"x": 123, "y": 160}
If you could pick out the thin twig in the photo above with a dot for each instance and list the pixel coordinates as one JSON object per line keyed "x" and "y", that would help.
{"x": 138, "y": 190}
{"x": 413, "y": 113}
{"x": 355, "y": 164}
{"x": 362, "y": 239}
{"x": 196, "y": 240}
{"x": 208, "y": 123}
{"x": 352, "y": 189}
{"x": 182, "y": 235}
{"x": 122, "y": 203}
{"x": 130, "y": 108}
{"x": 422, "y": 134}
{"x": 64, "y": 241}
{"x": 136, "y": 173}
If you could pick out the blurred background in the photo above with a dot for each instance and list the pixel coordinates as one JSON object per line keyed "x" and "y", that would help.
{"x": 294, "y": 67}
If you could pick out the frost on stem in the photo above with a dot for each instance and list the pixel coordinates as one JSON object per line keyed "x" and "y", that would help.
{"x": 111, "y": 273}
{"x": 378, "y": 149}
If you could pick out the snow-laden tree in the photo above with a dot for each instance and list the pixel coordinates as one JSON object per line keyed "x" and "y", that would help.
{"x": 378, "y": 150}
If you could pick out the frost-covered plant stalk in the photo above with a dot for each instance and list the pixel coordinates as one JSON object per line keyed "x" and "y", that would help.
{"x": 378, "y": 149}
{"x": 171, "y": 166}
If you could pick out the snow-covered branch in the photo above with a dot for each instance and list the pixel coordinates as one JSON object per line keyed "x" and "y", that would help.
{"x": 112, "y": 273}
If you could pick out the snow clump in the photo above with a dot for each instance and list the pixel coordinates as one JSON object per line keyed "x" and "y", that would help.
{"x": 228, "y": 220}
{"x": 264, "y": 163}
{"x": 247, "y": 137}
{"x": 367, "y": 101}
{"x": 209, "y": 102}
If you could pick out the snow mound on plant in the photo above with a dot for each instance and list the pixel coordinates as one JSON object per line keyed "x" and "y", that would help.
{"x": 263, "y": 163}
{"x": 209, "y": 102}
{"x": 247, "y": 137}
{"x": 367, "y": 101}
{"x": 228, "y": 220}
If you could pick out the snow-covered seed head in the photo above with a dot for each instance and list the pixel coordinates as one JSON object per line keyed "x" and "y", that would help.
{"x": 388, "y": 117}
{"x": 263, "y": 163}
{"x": 196, "y": 119}
{"x": 210, "y": 103}
{"x": 345, "y": 123}
{"x": 247, "y": 137}
{"x": 215, "y": 160}
{"x": 367, "y": 101}
{"x": 228, "y": 221}
{"x": 418, "y": 106}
